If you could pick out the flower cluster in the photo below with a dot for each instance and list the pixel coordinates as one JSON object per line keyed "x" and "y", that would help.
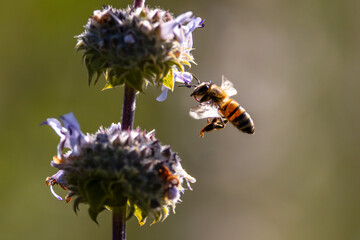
{"x": 139, "y": 46}
{"x": 113, "y": 167}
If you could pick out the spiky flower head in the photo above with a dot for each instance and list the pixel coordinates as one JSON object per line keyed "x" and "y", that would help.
{"x": 138, "y": 46}
{"x": 114, "y": 167}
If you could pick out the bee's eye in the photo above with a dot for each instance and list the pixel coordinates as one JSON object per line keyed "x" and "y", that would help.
{"x": 203, "y": 89}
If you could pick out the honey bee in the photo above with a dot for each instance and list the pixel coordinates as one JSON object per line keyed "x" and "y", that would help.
{"x": 215, "y": 102}
{"x": 171, "y": 183}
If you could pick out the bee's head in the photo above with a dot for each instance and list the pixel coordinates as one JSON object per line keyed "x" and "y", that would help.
{"x": 201, "y": 90}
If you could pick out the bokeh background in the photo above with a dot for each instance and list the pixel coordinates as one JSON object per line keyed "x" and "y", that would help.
{"x": 296, "y": 67}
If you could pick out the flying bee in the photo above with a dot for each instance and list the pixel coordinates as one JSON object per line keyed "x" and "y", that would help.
{"x": 171, "y": 183}
{"x": 215, "y": 102}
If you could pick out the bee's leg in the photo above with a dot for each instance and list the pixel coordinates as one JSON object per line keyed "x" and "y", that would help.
{"x": 216, "y": 123}
{"x": 220, "y": 123}
{"x": 224, "y": 121}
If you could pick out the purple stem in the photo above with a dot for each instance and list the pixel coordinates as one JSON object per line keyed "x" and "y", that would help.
{"x": 128, "y": 111}
{"x": 127, "y": 120}
{"x": 119, "y": 222}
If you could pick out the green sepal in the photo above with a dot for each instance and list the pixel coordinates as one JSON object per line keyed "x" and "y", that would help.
{"x": 168, "y": 80}
{"x": 94, "y": 66}
{"x": 131, "y": 210}
{"x": 166, "y": 70}
{"x": 115, "y": 76}
{"x": 90, "y": 70}
{"x": 152, "y": 72}
{"x": 96, "y": 197}
{"x": 178, "y": 64}
{"x": 94, "y": 213}
{"x": 113, "y": 79}
{"x": 76, "y": 208}
{"x": 135, "y": 79}
{"x": 157, "y": 217}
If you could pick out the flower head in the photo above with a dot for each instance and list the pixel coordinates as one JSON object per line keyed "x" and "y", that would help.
{"x": 113, "y": 167}
{"x": 137, "y": 46}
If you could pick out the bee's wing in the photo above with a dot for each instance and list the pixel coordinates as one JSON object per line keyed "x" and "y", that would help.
{"x": 205, "y": 110}
{"x": 228, "y": 87}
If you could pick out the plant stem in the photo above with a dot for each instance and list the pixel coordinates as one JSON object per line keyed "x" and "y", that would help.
{"x": 127, "y": 120}
{"x": 128, "y": 111}
{"x": 119, "y": 222}
{"x": 138, "y": 3}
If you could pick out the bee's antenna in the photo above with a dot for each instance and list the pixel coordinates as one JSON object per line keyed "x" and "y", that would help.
{"x": 189, "y": 85}
{"x": 195, "y": 78}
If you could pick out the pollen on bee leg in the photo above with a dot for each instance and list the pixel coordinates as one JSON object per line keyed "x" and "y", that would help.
{"x": 53, "y": 192}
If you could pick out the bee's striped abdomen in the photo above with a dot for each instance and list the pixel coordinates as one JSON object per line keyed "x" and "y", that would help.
{"x": 238, "y": 116}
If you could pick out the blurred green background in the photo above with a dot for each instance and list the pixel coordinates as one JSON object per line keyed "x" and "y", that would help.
{"x": 296, "y": 67}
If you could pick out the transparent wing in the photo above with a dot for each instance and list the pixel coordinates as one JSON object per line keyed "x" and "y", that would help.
{"x": 205, "y": 110}
{"x": 228, "y": 87}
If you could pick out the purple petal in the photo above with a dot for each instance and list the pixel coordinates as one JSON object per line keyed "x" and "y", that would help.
{"x": 163, "y": 94}
{"x": 74, "y": 137}
{"x": 179, "y": 33}
{"x": 55, "y": 125}
{"x": 192, "y": 25}
{"x": 184, "y": 17}
{"x": 168, "y": 29}
{"x": 61, "y": 146}
{"x": 57, "y": 178}
{"x": 70, "y": 135}
{"x": 184, "y": 77}
{"x": 70, "y": 120}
